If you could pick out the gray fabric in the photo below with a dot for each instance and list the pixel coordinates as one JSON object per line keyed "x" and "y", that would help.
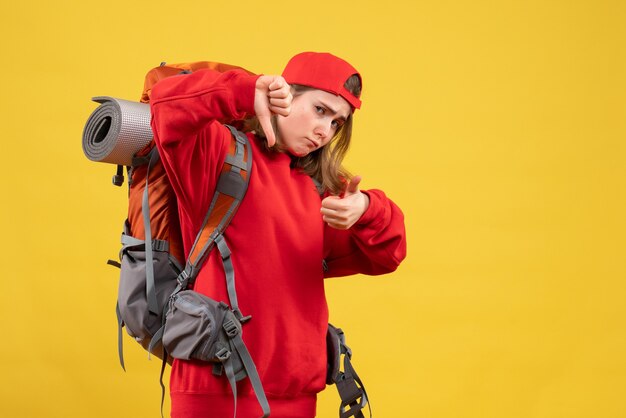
{"x": 193, "y": 328}
{"x": 129, "y": 241}
{"x": 235, "y": 161}
{"x": 231, "y": 184}
{"x": 243, "y": 185}
{"x": 157, "y": 244}
{"x": 116, "y": 130}
{"x": 229, "y": 271}
{"x": 156, "y": 340}
{"x": 230, "y": 375}
{"x": 255, "y": 380}
{"x": 120, "y": 347}
{"x": 333, "y": 349}
{"x": 140, "y": 323}
{"x": 349, "y": 385}
{"x": 198, "y": 327}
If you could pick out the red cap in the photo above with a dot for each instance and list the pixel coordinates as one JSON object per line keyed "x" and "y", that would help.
{"x": 323, "y": 71}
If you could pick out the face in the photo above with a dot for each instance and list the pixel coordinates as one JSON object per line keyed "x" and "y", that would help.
{"x": 315, "y": 117}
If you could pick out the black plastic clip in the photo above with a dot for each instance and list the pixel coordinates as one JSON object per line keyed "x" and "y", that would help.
{"x": 118, "y": 178}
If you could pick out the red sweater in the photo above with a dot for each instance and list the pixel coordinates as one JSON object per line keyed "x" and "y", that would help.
{"x": 278, "y": 241}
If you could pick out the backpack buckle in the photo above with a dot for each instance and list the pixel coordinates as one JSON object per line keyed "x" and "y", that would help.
{"x": 230, "y": 328}
{"x": 183, "y": 279}
{"x": 223, "y": 354}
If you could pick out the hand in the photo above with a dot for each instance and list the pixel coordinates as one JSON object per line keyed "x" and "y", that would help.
{"x": 272, "y": 95}
{"x": 341, "y": 212}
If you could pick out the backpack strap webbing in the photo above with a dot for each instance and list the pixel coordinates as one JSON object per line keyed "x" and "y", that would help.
{"x": 237, "y": 345}
{"x": 120, "y": 324}
{"x": 349, "y": 385}
{"x": 153, "y": 305}
{"x": 229, "y": 271}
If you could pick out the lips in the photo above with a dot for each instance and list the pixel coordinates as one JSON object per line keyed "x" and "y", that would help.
{"x": 315, "y": 144}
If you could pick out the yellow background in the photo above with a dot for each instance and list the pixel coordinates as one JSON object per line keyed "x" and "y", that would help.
{"x": 498, "y": 127}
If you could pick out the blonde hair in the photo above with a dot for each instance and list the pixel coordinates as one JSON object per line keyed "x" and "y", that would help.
{"x": 325, "y": 164}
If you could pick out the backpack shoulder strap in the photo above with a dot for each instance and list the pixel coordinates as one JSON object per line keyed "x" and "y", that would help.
{"x": 231, "y": 188}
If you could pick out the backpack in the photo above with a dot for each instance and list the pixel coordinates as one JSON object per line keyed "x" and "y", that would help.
{"x": 152, "y": 217}
{"x": 154, "y": 303}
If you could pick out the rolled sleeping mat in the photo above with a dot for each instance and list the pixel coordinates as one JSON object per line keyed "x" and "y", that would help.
{"x": 116, "y": 130}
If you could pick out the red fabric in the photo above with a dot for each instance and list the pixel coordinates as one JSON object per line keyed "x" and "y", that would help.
{"x": 278, "y": 241}
{"x": 323, "y": 71}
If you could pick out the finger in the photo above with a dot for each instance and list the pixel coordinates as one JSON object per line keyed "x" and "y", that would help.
{"x": 330, "y": 218}
{"x": 283, "y": 92}
{"x": 329, "y": 212}
{"x": 281, "y": 110}
{"x": 266, "y": 124}
{"x": 277, "y": 84}
{"x": 336, "y": 220}
{"x": 332, "y": 202}
{"x": 280, "y": 102}
{"x": 353, "y": 186}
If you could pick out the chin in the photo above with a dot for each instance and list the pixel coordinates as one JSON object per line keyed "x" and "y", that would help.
{"x": 299, "y": 153}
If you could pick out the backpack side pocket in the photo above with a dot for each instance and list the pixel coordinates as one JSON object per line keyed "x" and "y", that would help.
{"x": 141, "y": 324}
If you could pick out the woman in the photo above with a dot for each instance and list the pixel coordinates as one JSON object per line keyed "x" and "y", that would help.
{"x": 285, "y": 238}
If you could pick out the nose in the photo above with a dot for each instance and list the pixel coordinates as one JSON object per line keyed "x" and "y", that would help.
{"x": 323, "y": 130}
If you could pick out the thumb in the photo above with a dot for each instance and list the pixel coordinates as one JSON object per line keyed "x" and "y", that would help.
{"x": 353, "y": 186}
{"x": 266, "y": 125}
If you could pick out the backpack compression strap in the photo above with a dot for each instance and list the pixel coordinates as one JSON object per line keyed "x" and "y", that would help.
{"x": 237, "y": 345}
{"x": 153, "y": 305}
{"x": 349, "y": 385}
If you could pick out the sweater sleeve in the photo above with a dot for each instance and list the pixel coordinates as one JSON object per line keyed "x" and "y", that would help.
{"x": 375, "y": 245}
{"x": 187, "y": 115}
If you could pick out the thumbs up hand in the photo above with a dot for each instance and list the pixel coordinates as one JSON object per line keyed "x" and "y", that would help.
{"x": 272, "y": 95}
{"x": 341, "y": 212}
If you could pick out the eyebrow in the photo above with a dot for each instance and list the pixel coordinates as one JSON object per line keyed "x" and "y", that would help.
{"x": 344, "y": 118}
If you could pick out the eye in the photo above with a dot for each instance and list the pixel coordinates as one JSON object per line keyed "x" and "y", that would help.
{"x": 321, "y": 110}
{"x": 337, "y": 123}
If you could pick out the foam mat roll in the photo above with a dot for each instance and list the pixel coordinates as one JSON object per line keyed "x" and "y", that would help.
{"x": 116, "y": 130}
